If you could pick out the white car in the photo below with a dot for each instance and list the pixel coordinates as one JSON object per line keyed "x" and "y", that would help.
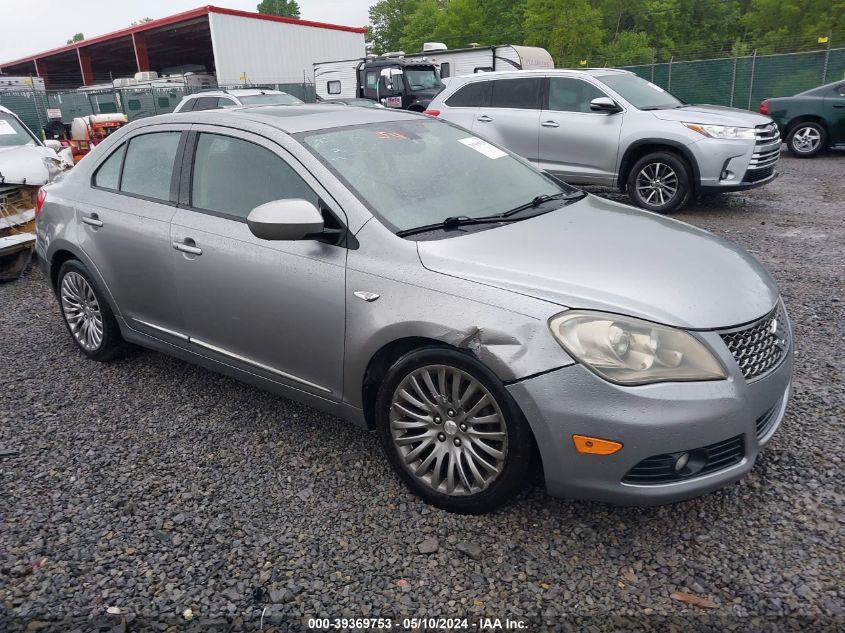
{"x": 214, "y": 99}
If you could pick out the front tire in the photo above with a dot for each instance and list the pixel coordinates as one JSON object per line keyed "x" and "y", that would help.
{"x": 452, "y": 432}
{"x": 87, "y": 315}
{"x": 806, "y": 140}
{"x": 659, "y": 182}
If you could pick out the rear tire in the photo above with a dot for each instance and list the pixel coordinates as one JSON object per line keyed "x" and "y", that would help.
{"x": 659, "y": 182}
{"x": 806, "y": 139}
{"x": 452, "y": 432}
{"x": 87, "y": 315}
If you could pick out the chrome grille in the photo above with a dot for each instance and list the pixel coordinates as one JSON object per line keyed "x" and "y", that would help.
{"x": 765, "y": 158}
{"x": 760, "y": 346}
{"x": 767, "y": 134}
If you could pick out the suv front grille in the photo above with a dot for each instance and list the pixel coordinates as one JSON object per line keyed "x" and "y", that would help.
{"x": 767, "y": 134}
{"x": 662, "y": 469}
{"x": 759, "y": 346}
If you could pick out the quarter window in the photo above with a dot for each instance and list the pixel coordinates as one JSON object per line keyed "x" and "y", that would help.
{"x": 474, "y": 95}
{"x": 333, "y": 87}
{"x": 206, "y": 103}
{"x": 522, "y": 94}
{"x": 148, "y": 168}
{"x": 571, "y": 95}
{"x": 232, "y": 176}
{"x": 108, "y": 175}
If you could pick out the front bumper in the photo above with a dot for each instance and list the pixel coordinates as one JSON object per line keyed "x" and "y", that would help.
{"x": 736, "y": 165}
{"x": 648, "y": 421}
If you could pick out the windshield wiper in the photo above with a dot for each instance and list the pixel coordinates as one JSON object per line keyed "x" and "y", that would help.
{"x": 455, "y": 222}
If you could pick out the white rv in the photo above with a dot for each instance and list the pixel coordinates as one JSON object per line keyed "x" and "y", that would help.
{"x": 466, "y": 61}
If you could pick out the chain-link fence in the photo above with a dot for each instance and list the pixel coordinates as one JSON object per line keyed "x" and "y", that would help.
{"x": 38, "y": 108}
{"x": 743, "y": 82}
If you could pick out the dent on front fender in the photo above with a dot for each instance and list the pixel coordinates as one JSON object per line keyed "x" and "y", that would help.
{"x": 513, "y": 345}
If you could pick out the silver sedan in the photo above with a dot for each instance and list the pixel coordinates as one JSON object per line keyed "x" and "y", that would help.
{"x": 397, "y": 271}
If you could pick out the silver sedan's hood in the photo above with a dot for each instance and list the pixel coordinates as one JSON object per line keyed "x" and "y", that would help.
{"x": 713, "y": 115}
{"x": 598, "y": 254}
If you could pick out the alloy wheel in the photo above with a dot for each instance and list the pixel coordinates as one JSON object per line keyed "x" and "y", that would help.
{"x": 657, "y": 184}
{"x": 449, "y": 430}
{"x": 806, "y": 140}
{"x": 82, "y": 311}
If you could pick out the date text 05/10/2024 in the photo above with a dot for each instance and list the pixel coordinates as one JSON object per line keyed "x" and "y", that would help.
{"x": 416, "y": 624}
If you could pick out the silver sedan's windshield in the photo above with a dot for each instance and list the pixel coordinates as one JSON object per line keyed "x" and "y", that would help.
{"x": 418, "y": 173}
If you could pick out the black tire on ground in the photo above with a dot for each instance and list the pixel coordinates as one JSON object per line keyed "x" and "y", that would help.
{"x": 806, "y": 139}
{"x": 518, "y": 454}
{"x": 667, "y": 170}
{"x": 111, "y": 345}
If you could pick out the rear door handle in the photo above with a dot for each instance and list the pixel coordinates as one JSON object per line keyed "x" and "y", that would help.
{"x": 484, "y": 118}
{"x": 550, "y": 124}
{"x": 187, "y": 247}
{"x": 92, "y": 220}
{"x": 839, "y": 105}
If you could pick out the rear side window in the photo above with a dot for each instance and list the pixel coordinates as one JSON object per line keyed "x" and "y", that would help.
{"x": 148, "y": 168}
{"x": 474, "y": 95}
{"x": 516, "y": 93}
{"x": 206, "y": 103}
{"x": 108, "y": 175}
{"x": 571, "y": 95}
{"x": 232, "y": 176}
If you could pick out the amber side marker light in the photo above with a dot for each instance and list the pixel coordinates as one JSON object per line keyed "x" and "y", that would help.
{"x": 595, "y": 445}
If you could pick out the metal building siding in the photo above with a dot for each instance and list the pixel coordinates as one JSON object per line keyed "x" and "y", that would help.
{"x": 275, "y": 52}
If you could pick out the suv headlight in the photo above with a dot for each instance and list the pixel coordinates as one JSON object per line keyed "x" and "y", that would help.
{"x": 722, "y": 131}
{"x": 629, "y": 351}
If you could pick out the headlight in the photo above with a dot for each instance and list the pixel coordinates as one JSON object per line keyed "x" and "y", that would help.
{"x": 722, "y": 131}
{"x": 633, "y": 352}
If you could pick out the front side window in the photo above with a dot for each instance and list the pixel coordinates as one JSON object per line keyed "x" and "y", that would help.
{"x": 232, "y": 176}
{"x": 148, "y": 167}
{"x": 571, "y": 95}
{"x": 13, "y": 133}
{"x": 640, "y": 93}
{"x": 474, "y": 95}
{"x": 521, "y": 94}
{"x": 404, "y": 171}
{"x": 372, "y": 79}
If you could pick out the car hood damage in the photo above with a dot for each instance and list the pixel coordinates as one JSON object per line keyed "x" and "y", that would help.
{"x": 30, "y": 165}
{"x": 600, "y": 255}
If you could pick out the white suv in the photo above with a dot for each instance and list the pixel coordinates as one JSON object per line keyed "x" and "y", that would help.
{"x": 214, "y": 99}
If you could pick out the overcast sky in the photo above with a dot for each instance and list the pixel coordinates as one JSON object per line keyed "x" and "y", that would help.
{"x": 32, "y": 26}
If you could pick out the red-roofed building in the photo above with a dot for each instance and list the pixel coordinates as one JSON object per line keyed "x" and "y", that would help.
{"x": 237, "y": 46}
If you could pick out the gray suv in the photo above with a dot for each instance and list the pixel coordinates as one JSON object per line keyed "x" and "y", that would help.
{"x": 331, "y": 255}
{"x": 612, "y": 128}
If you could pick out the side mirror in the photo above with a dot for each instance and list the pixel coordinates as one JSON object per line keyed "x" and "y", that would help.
{"x": 604, "y": 104}
{"x": 285, "y": 220}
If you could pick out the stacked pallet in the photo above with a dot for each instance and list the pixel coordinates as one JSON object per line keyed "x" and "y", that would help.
{"x": 17, "y": 229}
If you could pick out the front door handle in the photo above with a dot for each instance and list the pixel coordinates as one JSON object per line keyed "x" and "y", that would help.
{"x": 92, "y": 220}
{"x": 484, "y": 118}
{"x": 550, "y": 124}
{"x": 839, "y": 105}
{"x": 187, "y": 246}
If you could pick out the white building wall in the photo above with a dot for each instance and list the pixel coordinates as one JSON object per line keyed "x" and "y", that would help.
{"x": 275, "y": 52}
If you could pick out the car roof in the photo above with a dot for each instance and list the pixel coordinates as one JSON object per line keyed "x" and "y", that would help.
{"x": 237, "y": 92}
{"x": 551, "y": 72}
{"x": 291, "y": 118}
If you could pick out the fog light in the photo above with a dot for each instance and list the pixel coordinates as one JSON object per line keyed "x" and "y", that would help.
{"x": 727, "y": 175}
{"x": 681, "y": 462}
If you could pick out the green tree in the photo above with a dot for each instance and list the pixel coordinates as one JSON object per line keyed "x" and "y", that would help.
{"x": 461, "y": 23}
{"x": 286, "y": 8}
{"x": 76, "y": 38}
{"x": 421, "y": 26}
{"x": 793, "y": 24}
{"x": 388, "y": 19}
{"x": 571, "y": 30}
{"x": 503, "y": 21}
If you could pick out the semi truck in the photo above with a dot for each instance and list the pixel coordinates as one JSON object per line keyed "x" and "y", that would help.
{"x": 390, "y": 80}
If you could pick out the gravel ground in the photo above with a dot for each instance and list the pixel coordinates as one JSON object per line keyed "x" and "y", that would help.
{"x": 153, "y": 486}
